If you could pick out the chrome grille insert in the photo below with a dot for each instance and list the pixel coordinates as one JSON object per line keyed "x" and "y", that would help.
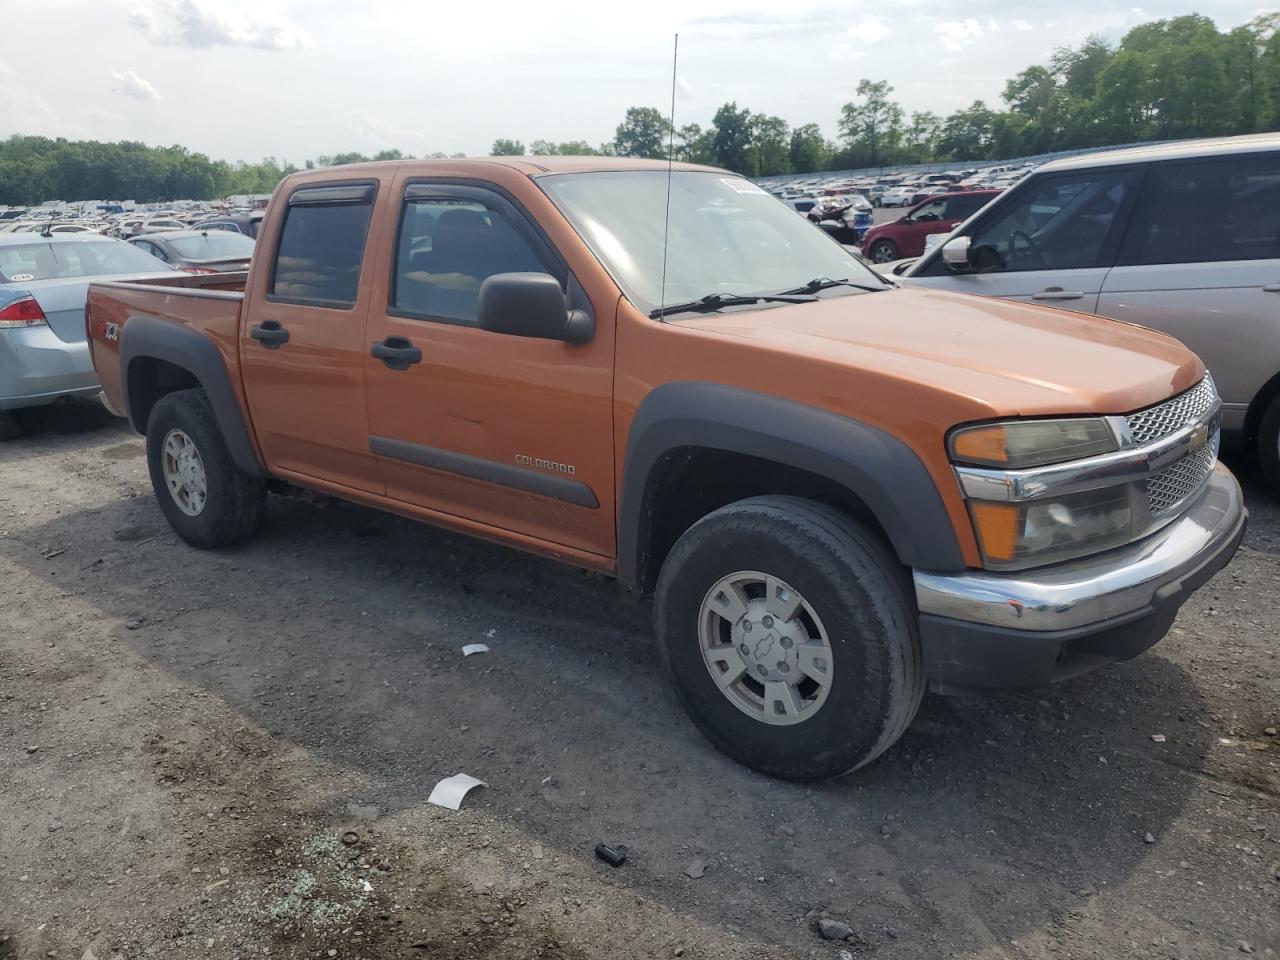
{"x": 1159, "y": 421}
{"x": 1170, "y": 488}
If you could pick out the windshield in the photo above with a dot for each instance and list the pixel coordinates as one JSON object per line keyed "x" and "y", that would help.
{"x": 726, "y": 235}
{"x": 215, "y": 245}
{"x": 90, "y": 258}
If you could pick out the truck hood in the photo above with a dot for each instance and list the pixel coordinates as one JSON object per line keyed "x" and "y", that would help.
{"x": 1018, "y": 359}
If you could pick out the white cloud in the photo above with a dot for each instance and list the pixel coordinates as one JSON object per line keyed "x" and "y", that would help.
{"x": 868, "y": 30}
{"x": 1020, "y": 25}
{"x": 209, "y": 23}
{"x": 132, "y": 85}
{"x": 958, "y": 33}
{"x": 6, "y": 70}
{"x": 846, "y": 51}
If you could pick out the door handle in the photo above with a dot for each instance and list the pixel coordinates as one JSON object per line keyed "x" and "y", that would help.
{"x": 1271, "y": 288}
{"x": 1057, "y": 293}
{"x": 397, "y": 353}
{"x": 269, "y": 333}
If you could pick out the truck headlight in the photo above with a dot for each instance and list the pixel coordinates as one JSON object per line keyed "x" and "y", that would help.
{"x": 1031, "y": 443}
{"x": 1039, "y": 532}
{"x": 1030, "y": 529}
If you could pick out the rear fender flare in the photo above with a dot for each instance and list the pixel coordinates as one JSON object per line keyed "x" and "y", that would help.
{"x": 878, "y": 468}
{"x": 146, "y": 337}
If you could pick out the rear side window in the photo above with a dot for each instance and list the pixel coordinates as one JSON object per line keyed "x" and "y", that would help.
{"x": 964, "y": 207}
{"x": 448, "y": 247}
{"x": 322, "y": 246}
{"x": 1208, "y": 211}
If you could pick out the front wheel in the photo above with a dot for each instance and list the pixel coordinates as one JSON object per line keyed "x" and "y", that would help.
{"x": 1269, "y": 443}
{"x": 790, "y": 637}
{"x": 207, "y": 499}
{"x": 883, "y": 252}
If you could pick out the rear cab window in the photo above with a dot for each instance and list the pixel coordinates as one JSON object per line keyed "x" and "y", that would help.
{"x": 322, "y": 243}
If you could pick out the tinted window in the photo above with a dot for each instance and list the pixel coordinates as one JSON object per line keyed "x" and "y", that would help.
{"x": 212, "y": 246}
{"x": 1208, "y": 211}
{"x": 964, "y": 207}
{"x": 447, "y": 249}
{"x": 321, "y": 249}
{"x": 1057, "y": 223}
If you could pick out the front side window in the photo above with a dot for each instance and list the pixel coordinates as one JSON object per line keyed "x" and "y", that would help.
{"x": 448, "y": 248}
{"x": 963, "y": 207}
{"x": 1208, "y": 211}
{"x": 322, "y": 246}
{"x": 935, "y": 210}
{"x": 1058, "y": 223}
{"x": 726, "y": 235}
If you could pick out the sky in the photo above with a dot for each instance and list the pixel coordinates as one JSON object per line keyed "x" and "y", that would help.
{"x": 294, "y": 79}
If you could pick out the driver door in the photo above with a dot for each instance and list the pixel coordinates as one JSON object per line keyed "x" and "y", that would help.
{"x": 1053, "y": 241}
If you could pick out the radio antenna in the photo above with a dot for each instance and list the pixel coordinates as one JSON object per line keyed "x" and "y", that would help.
{"x": 671, "y": 149}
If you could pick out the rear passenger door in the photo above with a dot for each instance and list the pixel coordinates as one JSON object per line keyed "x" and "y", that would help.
{"x": 302, "y": 339}
{"x": 512, "y": 433}
{"x": 1201, "y": 261}
{"x": 1052, "y": 241}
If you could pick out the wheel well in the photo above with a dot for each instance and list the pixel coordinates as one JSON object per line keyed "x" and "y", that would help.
{"x": 150, "y": 379}
{"x": 688, "y": 483}
{"x": 1253, "y": 418}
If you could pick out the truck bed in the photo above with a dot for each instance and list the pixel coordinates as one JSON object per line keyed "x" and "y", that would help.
{"x": 208, "y": 304}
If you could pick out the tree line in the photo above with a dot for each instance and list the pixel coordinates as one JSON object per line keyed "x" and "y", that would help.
{"x": 1165, "y": 79}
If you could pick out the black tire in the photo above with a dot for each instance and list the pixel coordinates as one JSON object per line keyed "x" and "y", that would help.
{"x": 1269, "y": 443}
{"x": 235, "y": 500}
{"x": 10, "y": 428}
{"x": 883, "y": 251}
{"x": 860, "y": 592}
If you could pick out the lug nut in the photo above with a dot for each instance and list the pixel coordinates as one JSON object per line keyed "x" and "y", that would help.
{"x": 768, "y": 621}
{"x": 787, "y": 643}
{"x": 744, "y": 650}
{"x": 746, "y": 626}
{"x": 784, "y": 666}
{"x": 762, "y": 670}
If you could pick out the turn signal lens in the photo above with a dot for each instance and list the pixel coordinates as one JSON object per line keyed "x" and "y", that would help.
{"x": 997, "y": 525}
{"x": 1032, "y": 443}
{"x": 23, "y": 312}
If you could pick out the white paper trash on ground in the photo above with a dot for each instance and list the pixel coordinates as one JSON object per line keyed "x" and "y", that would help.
{"x": 471, "y": 648}
{"x": 450, "y": 791}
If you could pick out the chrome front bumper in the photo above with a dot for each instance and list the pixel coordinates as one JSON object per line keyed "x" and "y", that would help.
{"x": 1120, "y": 583}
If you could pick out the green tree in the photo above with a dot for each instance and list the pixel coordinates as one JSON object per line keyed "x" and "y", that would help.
{"x": 731, "y": 138}
{"x": 770, "y": 152}
{"x": 643, "y": 133}
{"x": 693, "y": 144}
{"x": 966, "y": 134}
{"x": 872, "y": 129}
{"x": 506, "y": 148}
{"x": 921, "y": 137}
{"x": 809, "y": 151}
{"x": 572, "y": 148}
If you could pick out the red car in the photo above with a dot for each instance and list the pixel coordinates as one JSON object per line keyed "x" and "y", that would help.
{"x": 905, "y": 236}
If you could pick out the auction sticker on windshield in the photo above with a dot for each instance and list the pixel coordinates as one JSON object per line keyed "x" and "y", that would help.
{"x": 738, "y": 185}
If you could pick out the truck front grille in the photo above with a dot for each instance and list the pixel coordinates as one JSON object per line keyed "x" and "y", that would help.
{"x": 1169, "y": 489}
{"x": 1159, "y": 421}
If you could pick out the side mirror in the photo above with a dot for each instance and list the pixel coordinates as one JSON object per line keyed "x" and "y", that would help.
{"x": 955, "y": 253}
{"x": 531, "y": 305}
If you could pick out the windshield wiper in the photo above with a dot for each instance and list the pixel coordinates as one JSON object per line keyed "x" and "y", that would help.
{"x": 826, "y": 283}
{"x": 714, "y": 301}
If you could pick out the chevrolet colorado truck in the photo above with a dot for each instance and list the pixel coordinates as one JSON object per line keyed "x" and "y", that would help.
{"x": 839, "y": 491}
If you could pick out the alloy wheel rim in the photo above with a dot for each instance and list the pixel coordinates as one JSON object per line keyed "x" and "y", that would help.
{"x": 765, "y": 647}
{"x": 184, "y": 473}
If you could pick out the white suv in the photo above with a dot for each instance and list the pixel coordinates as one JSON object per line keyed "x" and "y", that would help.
{"x": 1182, "y": 237}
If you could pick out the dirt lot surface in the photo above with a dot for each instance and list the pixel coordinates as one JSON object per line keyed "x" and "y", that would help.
{"x": 188, "y": 736}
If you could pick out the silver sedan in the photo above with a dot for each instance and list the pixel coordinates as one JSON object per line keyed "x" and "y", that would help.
{"x": 43, "y": 284}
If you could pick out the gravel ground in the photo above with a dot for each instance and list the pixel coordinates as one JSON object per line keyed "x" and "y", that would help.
{"x": 188, "y": 737}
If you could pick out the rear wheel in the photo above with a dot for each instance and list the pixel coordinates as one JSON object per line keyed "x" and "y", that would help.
{"x": 10, "y": 428}
{"x": 207, "y": 499}
{"x": 883, "y": 251}
{"x": 1269, "y": 443}
{"x": 790, "y": 637}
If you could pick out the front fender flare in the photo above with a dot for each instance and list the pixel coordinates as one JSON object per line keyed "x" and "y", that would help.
{"x": 878, "y": 468}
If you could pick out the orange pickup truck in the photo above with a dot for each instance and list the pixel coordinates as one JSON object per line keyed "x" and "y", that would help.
{"x": 839, "y": 491}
